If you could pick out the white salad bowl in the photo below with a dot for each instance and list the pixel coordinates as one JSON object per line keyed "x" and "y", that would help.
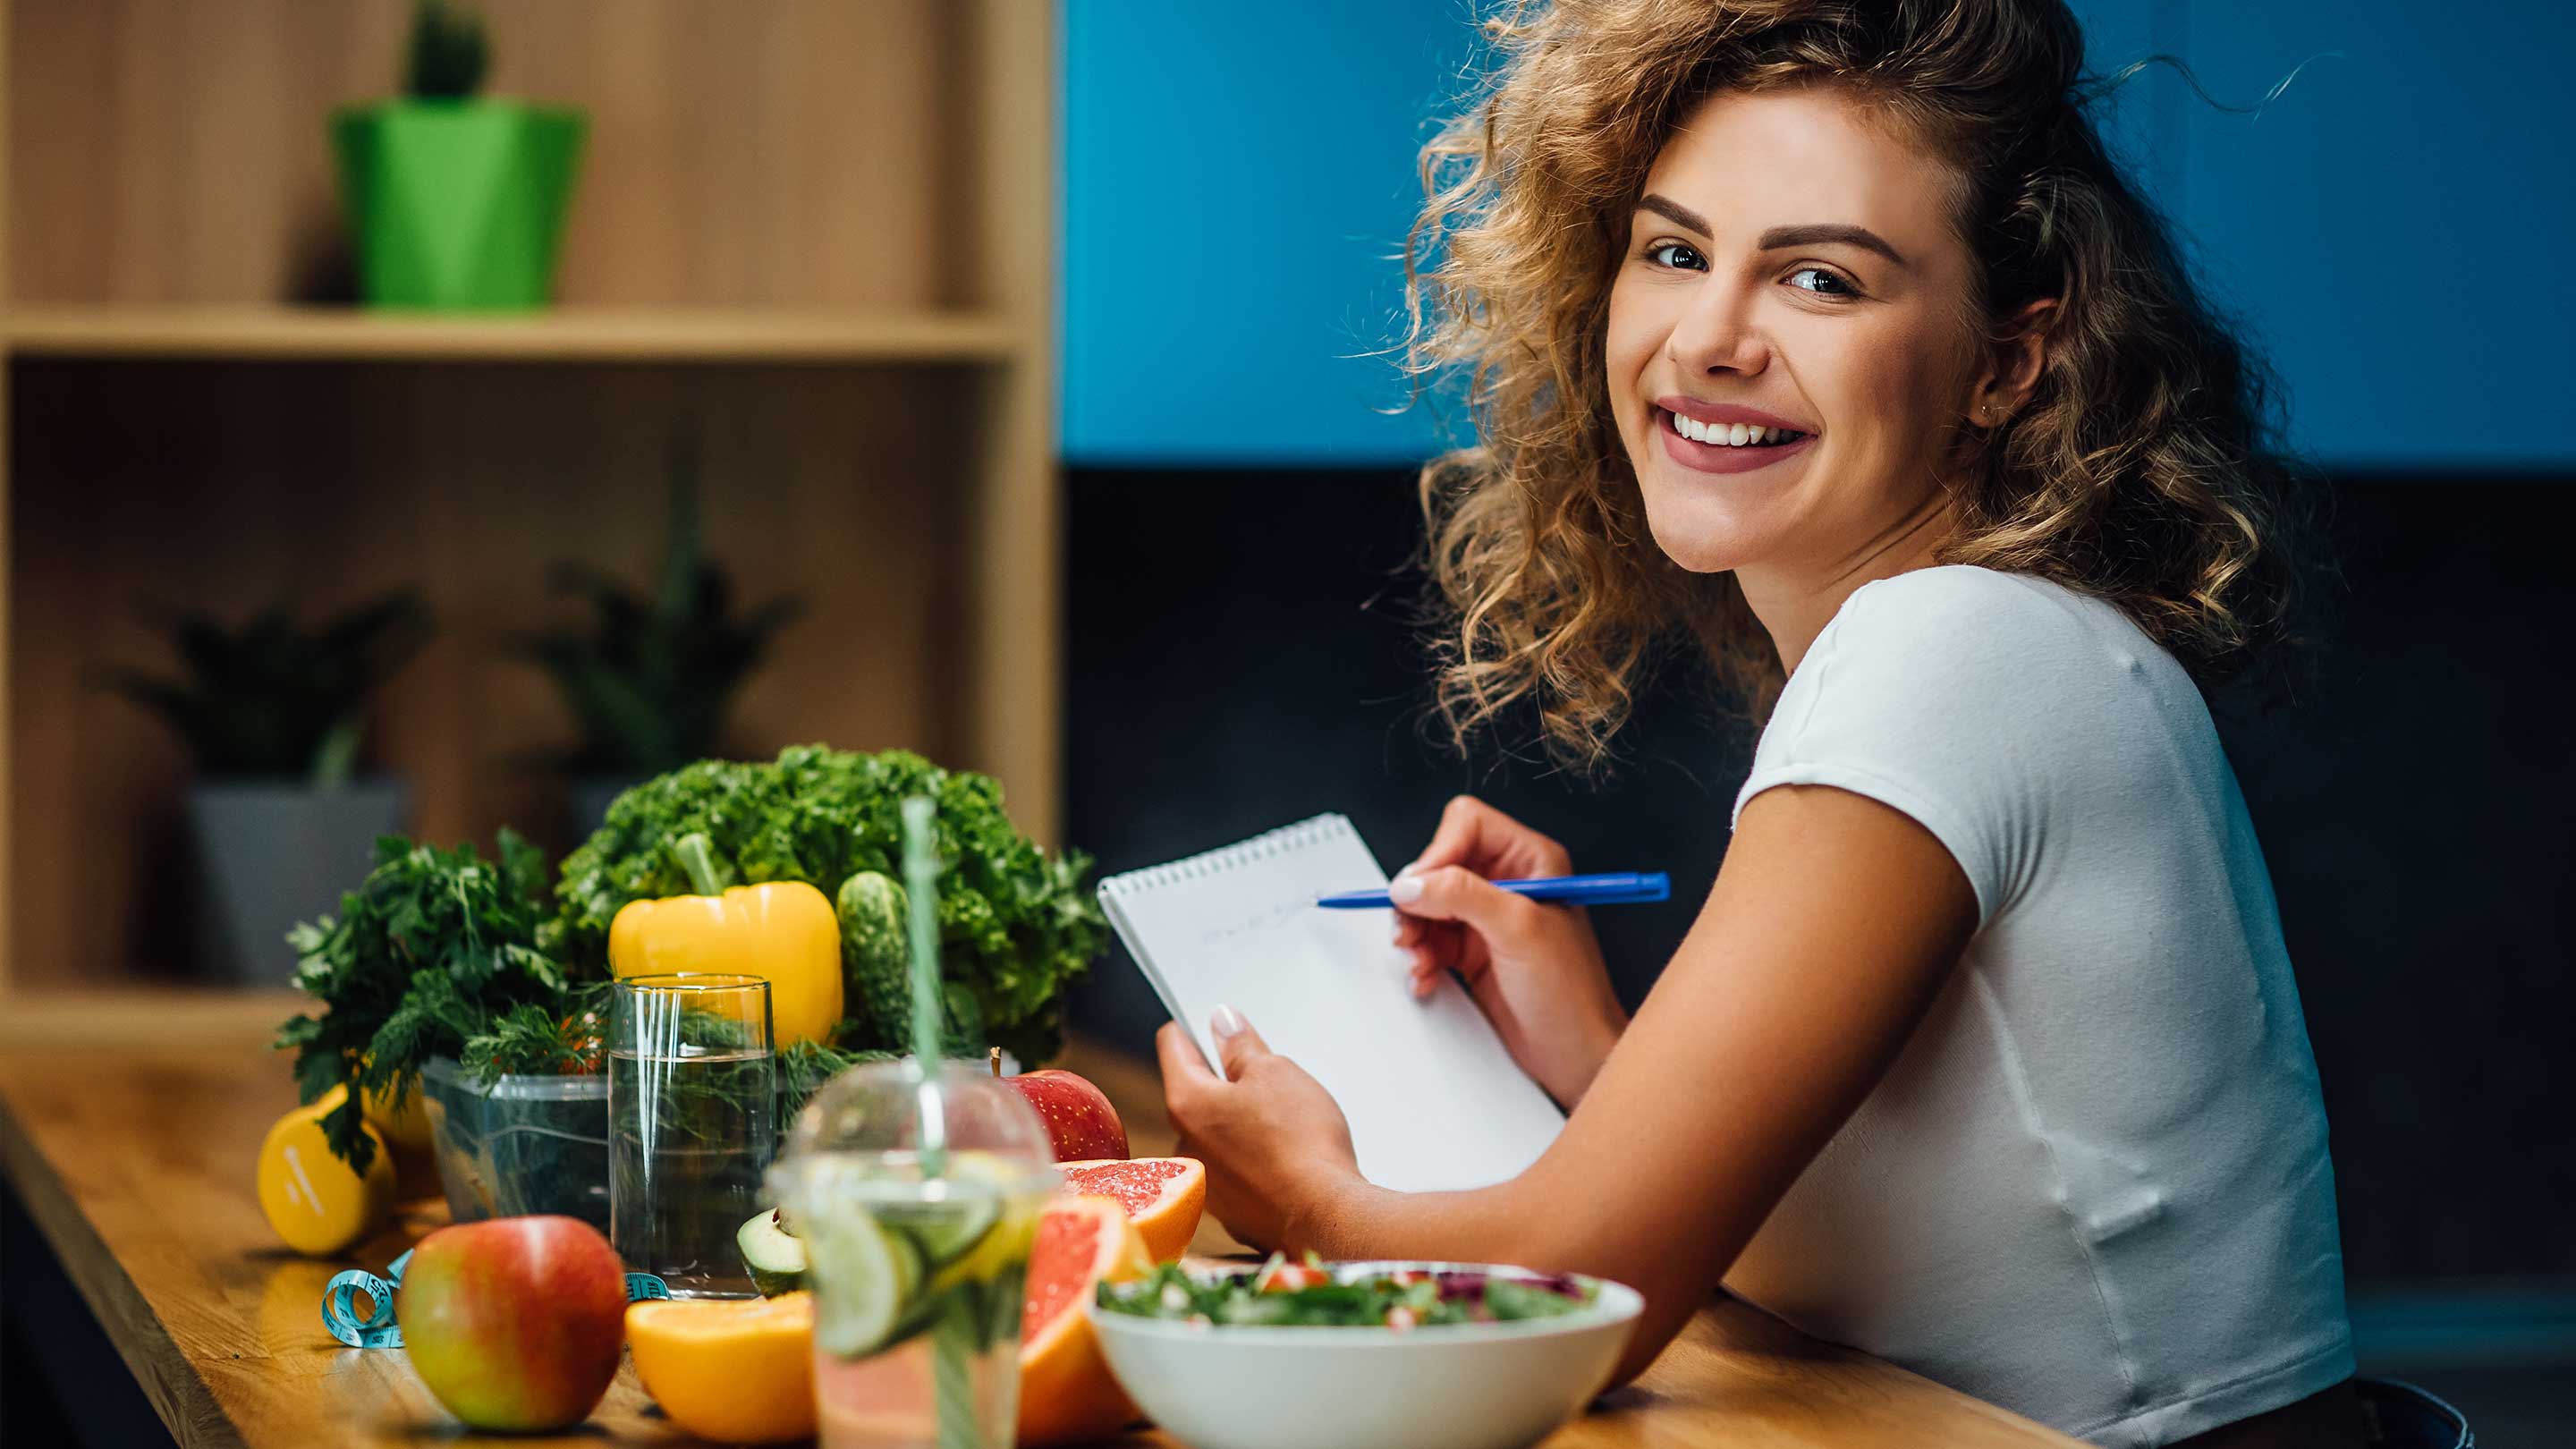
{"x": 1452, "y": 1386}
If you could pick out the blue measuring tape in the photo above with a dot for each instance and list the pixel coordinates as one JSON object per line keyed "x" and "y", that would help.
{"x": 376, "y": 1327}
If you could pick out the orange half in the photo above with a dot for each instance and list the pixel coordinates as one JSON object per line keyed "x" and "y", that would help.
{"x": 734, "y": 1370}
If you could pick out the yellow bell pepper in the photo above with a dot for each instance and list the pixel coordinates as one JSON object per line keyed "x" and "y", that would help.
{"x": 783, "y": 931}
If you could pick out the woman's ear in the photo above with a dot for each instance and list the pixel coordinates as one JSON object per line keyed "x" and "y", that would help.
{"x": 2013, "y": 364}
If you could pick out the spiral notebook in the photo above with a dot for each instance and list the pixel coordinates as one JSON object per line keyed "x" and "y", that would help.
{"x": 1434, "y": 1100}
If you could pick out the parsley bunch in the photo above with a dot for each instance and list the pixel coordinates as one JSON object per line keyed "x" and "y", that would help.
{"x": 426, "y": 958}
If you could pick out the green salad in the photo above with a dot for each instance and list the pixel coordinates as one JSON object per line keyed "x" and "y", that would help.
{"x": 1282, "y": 1294}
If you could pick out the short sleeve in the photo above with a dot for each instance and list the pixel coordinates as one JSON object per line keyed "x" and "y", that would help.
{"x": 1931, "y": 693}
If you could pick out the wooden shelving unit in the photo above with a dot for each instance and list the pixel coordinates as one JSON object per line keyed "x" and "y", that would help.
{"x": 812, "y": 240}
{"x": 220, "y": 333}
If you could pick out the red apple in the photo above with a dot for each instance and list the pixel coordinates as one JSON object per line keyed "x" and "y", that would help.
{"x": 1078, "y": 1117}
{"x": 515, "y": 1323}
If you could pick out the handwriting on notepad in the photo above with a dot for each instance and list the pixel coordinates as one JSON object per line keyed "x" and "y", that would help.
{"x": 1260, "y": 922}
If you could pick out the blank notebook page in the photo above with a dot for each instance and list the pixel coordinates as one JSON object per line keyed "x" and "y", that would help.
{"x": 1434, "y": 1100}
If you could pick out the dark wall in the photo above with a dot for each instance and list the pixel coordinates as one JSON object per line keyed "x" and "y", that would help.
{"x": 1239, "y": 658}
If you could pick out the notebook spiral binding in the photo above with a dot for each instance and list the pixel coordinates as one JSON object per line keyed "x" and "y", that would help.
{"x": 1215, "y": 862}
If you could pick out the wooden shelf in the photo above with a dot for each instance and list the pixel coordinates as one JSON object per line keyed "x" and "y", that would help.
{"x": 799, "y": 245}
{"x": 584, "y": 334}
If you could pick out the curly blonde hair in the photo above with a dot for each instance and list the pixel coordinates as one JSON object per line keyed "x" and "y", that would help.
{"x": 2141, "y": 470}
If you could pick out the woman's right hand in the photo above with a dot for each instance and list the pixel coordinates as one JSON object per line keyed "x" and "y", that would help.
{"x": 1535, "y": 969}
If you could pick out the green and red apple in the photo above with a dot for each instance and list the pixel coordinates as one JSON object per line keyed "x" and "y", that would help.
{"x": 515, "y": 1323}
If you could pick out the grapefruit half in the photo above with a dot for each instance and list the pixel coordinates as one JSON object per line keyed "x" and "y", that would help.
{"x": 1163, "y": 1196}
{"x": 1066, "y": 1390}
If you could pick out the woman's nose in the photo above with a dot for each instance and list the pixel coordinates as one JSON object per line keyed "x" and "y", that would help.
{"x": 1716, "y": 334}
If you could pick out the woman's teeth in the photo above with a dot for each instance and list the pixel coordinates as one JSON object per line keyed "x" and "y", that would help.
{"x": 1731, "y": 435}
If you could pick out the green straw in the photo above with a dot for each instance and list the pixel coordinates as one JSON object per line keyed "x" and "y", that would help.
{"x": 952, "y": 1337}
{"x": 921, "y": 887}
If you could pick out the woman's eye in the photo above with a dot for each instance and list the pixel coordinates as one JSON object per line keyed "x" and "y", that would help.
{"x": 1676, "y": 254}
{"x": 1826, "y": 284}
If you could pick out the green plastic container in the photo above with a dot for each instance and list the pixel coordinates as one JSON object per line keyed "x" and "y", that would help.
{"x": 458, "y": 204}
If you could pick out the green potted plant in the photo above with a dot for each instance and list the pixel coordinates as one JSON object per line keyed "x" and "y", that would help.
{"x": 455, "y": 202}
{"x": 273, "y": 715}
{"x": 650, "y": 681}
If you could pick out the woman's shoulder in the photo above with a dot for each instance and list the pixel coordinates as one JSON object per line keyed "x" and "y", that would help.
{"x": 1970, "y": 624}
{"x": 1953, "y": 593}
{"x": 2007, "y": 656}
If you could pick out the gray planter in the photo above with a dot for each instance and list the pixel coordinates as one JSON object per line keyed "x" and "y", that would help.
{"x": 271, "y": 853}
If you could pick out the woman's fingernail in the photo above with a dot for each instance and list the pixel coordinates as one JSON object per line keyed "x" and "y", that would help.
{"x": 1411, "y": 867}
{"x": 1404, "y": 890}
{"x": 1226, "y": 1021}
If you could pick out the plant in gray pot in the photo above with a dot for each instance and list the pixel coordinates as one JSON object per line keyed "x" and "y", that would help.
{"x": 273, "y": 714}
{"x": 651, "y": 680}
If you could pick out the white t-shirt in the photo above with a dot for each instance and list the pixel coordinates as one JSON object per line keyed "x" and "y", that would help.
{"x": 2094, "y": 1188}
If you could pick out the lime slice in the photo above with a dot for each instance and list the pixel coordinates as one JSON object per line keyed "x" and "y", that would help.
{"x": 866, "y": 1276}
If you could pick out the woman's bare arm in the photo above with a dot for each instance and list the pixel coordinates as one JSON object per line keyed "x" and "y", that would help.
{"x": 1833, "y": 924}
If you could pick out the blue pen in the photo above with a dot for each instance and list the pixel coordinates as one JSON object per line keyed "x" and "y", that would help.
{"x": 1613, "y": 889}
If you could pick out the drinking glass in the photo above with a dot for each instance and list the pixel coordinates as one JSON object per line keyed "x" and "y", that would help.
{"x": 692, "y": 1124}
{"x": 917, "y": 1196}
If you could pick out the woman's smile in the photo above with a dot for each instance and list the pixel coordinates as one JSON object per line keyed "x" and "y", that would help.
{"x": 1724, "y": 438}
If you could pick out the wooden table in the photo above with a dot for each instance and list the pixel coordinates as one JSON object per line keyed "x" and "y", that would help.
{"x": 134, "y": 1161}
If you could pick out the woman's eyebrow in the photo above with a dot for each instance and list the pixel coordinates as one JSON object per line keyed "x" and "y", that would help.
{"x": 1778, "y": 237}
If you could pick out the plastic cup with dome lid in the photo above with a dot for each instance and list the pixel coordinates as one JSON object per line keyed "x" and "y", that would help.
{"x": 916, "y": 1193}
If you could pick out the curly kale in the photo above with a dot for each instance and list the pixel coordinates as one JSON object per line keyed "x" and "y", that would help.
{"x": 1016, "y": 925}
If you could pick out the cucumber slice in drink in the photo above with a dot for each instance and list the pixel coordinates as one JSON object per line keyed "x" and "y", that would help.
{"x": 868, "y": 1278}
{"x": 775, "y": 1256}
{"x": 945, "y": 1230}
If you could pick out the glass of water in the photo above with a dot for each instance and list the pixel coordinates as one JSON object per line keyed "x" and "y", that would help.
{"x": 692, "y": 1124}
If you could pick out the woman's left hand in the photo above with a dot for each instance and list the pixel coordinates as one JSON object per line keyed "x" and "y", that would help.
{"x": 1274, "y": 1141}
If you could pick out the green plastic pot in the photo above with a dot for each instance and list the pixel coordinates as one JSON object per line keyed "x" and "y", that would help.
{"x": 457, "y": 204}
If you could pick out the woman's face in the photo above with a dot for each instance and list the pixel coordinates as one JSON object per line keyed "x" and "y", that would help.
{"x": 1790, "y": 265}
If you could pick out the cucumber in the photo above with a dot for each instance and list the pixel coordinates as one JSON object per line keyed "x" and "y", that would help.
{"x": 869, "y": 1277}
{"x": 876, "y": 955}
{"x": 946, "y": 1230}
{"x": 775, "y": 1256}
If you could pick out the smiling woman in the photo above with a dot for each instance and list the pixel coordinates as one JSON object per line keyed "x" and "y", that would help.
{"x": 1823, "y": 335}
{"x": 1882, "y": 214}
